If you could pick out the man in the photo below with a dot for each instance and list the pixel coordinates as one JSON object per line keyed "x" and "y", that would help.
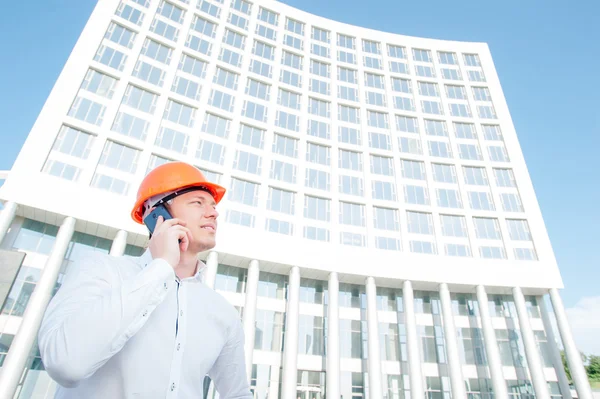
{"x": 147, "y": 327}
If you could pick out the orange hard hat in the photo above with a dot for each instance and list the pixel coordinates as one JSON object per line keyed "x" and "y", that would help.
{"x": 171, "y": 177}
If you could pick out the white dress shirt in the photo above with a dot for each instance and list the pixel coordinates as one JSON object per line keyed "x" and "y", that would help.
{"x": 124, "y": 327}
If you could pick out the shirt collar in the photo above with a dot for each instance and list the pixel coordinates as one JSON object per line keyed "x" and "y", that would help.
{"x": 146, "y": 258}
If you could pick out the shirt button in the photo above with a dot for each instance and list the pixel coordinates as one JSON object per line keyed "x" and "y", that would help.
{"x": 181, "y": 313}
{"x": 145, "y": 313}
{"x": 166, "y": 286}
{"x": 172, "y": 387}
{"x": 178, "y": 346}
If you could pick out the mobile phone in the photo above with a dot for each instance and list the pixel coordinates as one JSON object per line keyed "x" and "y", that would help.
{"x": 152, "y": 218}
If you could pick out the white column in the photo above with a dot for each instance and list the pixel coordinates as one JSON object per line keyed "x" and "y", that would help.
{"x": 454, "y": 364}
{"x": 212, "y": 262}
{"x": 290, "y": 351}
{"x": 15, "y": 361}
{"x": 6, "y": 217}
{"x": 250, "y": 314}
{"x": 412, "y": 341}
{"x": 563, "y": 381}
{"x": 333, "y": 338}
{"x": 491, "y": 346}
{"x": 373, "y": 340}
{"x": 119, "y": 243}
{"x": 573, "y": 357}
{"x": 534, "y": 360}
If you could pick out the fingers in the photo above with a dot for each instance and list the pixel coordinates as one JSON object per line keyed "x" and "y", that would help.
{"x": 162, "y": 224}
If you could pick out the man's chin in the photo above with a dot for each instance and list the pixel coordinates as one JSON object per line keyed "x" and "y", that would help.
{"x": 205, "y": 244}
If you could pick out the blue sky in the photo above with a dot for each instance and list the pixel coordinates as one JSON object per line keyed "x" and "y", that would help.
{"x": 546, "y": 52}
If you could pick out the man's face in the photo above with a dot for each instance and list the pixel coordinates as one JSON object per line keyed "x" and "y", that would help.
{"x": 198, "y": 210}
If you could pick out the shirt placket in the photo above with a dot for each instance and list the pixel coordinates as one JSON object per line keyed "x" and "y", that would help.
{"x": 177, "y": 358}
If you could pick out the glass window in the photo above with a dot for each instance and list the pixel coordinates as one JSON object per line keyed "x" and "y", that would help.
{"x": 164, "y": 29}
{"x": 281, "y": 201}
{"x": 171, "y": 11}
{"x": 263, "y": 50}
{"x": 380, "y": 140}
{"x": 475, "y": 176}
{"x": 247, "y": 162}
{"x": 248, "y": 135}
{"x": 346, "y": 41}
{"x": 311, "y": 340}
{"x": 197, "y": 44}
{"x": 287, "y": 121}
{"x": 436, "y": 128}
{"x": 443, "y": 173}
{"x": 432, "y": 107}
{"x": 416, "y": 195}
{"x": 294, "y": 26}
{"x": 518, "y": 230}
{"x": 242, "y": 6}
{"x": 352, "y": 239}
{"x": 482, "y": 94}
{"x": 316, "y": 208}
{"x": 413, "y": 169}
{"x": 481, "y": 201}
{"x": 377, "y": 119}
{"x": 469, "y": 151}
{"x": 319, "y": 107}
{"x": 383, "y": 190}
{"x": 318, "y": 129}
{"x": 410, "y": 146}
{"x": 258, "y": 89}
{"x": 347, "y": 75}
{"x": 221, "y": 100}
{"x": 255, "y": 111}
{"x": 348, "y": 114}
{"x": 120, "y": 35}
{"x": 140, "y": 99}
{"x": 269, "y": 330}
{"x": 285, "y": 146}
{"x": 385, "y": 219}
{"x": 99, "y": 83}
{"x": 211, "y": 152}
{"x": 498, "y": 153}
{"x": 110, "y": 57}
{"x": 464, "y": 130}
{"x": 291, "y": 60}
{"x": 131, "y": 126}
{"x": 87, "y": 110}
{"x": 439, "y": 149}
{"x": 349, "y": 135}
{"x": 370, "y": 46}
{"x": 448, "y": 198}
{"x": 186, "y": 87}
{"x": 419, "y": 222}
{"x": 352, "y": 214}
{"x": 382, "y": 165}
{"x": 226, "y": 78}
{"x": 351, "y": 185}
{"x": 231, "y": 279}
{"x": 471, "y": 60}
{"x": 453, "y": 226}
{"x": 209, "y": 8}
{"x": 173, "y": 140}
{"x": 268, "y": 16}
{"x": 511, "y": 202}
{"x": 421, "y": 55}
{"x": 316, "y": 233}
{"x": 492, "y": 132}
{"x": 348, "y": 93}
{"x": 487, "y": 228}
{"x": 266, "y": 32}
{"x": 407, "y": 124}
{"x": 283, "y": 171}
{"x": 318, "y": 179}
{"x": 244, "y": 192}
{"x": 234, "y": 39}
{"x": 291, "y": 78}
{"x": 192, "y": 65}
{"x": 180, "y": 113}
{"x": 241, "y": 218}
{"x": 504, "y": 178}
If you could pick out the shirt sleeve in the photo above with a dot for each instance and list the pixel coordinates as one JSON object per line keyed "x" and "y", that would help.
{"x": 229, "y": 370}
{"x": 95, "y": 312}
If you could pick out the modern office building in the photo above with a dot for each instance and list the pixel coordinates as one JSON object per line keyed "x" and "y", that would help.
{"x": 380, "y": 236}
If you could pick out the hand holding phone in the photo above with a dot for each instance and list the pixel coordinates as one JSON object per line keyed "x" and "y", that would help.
{"x": 169, "y": 238}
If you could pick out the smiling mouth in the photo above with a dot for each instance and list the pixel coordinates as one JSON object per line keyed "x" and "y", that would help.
{"x": 209, "y": 228}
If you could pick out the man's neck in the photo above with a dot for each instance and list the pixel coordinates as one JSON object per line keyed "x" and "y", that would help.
{"x": 188, "y": 265}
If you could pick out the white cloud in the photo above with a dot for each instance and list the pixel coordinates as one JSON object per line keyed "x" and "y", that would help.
{"x": 584, "y": 319}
